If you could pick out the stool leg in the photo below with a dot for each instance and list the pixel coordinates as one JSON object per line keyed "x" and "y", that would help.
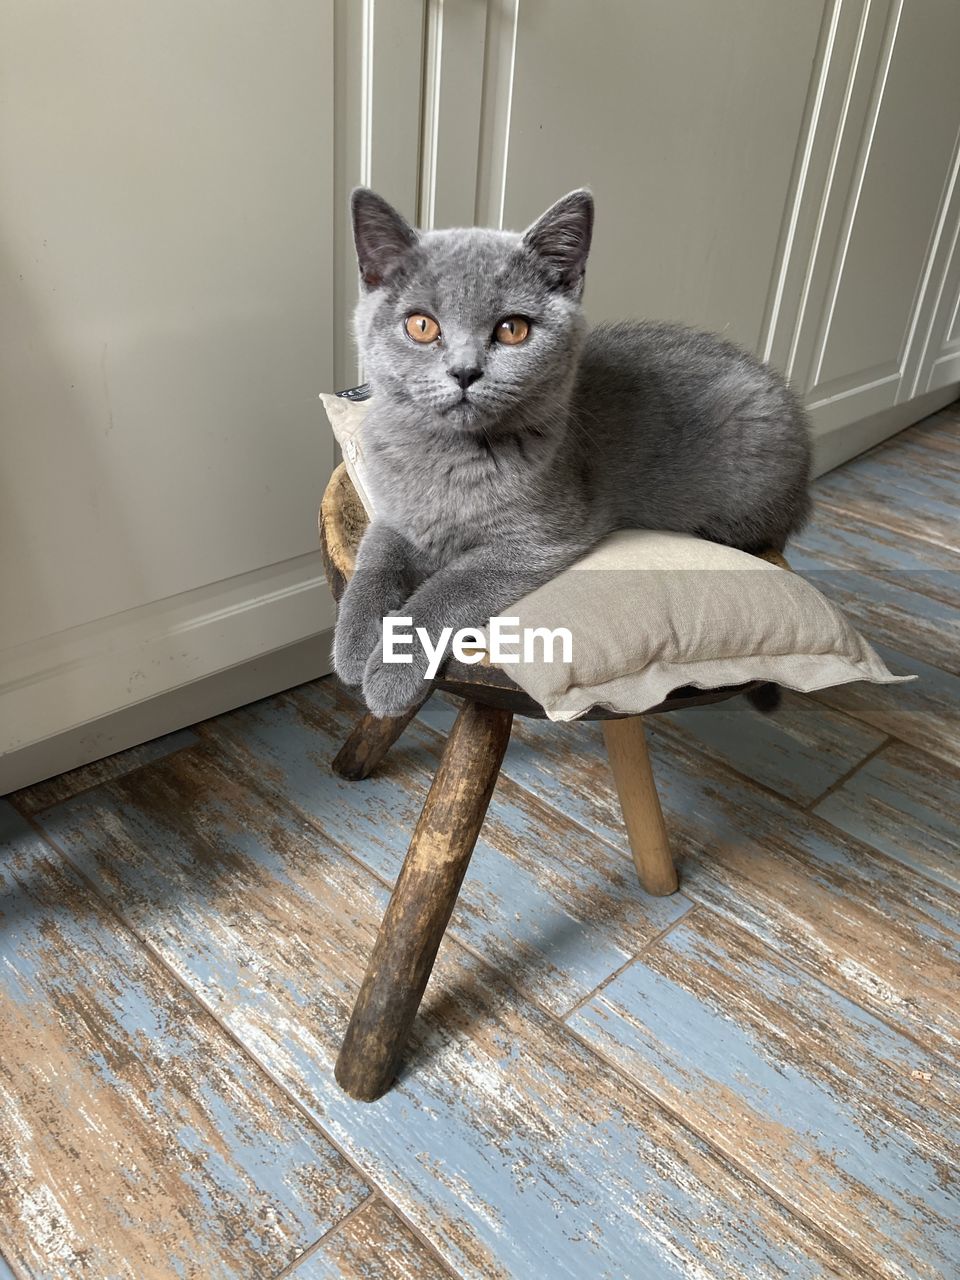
{"x": 369, "y": 743}
{"x": 626, "y": 742}
{"x": 422, "y": 901}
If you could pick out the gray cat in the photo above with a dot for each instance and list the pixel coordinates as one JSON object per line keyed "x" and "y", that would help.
{"x": 503, "y": 440}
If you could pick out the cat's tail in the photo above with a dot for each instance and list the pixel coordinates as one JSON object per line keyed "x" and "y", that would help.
{"x": 766, "y": 698}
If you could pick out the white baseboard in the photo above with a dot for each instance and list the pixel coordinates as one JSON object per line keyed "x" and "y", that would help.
{"x": 80, "y": 694}
{"x": 175, "y": 709}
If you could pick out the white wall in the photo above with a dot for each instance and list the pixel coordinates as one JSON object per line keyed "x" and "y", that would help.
{"x": 166, "y": 321}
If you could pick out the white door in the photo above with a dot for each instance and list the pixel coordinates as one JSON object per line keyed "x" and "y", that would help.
{"x": 166, "y": 303}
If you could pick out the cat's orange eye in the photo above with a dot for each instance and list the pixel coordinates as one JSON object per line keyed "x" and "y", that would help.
{"x": 422, "y": 328}
{"x": 512, "y": 331}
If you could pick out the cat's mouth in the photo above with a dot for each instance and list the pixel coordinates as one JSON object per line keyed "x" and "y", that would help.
{"x": 462, "y": 408}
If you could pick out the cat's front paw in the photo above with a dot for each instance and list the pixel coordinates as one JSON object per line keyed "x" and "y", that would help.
{"x": 390, "y": 688}
{"x": 355, "y": 639}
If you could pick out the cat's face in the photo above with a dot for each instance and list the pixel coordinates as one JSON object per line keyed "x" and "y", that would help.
{"x": 471, "y": 328}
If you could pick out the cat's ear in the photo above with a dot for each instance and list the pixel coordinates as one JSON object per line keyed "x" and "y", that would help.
{"x": 561, "y": 238}
{"x": 382, "y": 236}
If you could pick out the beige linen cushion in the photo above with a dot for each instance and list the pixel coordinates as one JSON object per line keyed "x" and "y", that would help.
{"x": 650, "y": 612}
{"x": 346, "y": 421}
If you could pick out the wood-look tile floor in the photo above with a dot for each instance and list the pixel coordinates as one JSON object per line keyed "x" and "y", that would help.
{"x": 757, "y": 1077}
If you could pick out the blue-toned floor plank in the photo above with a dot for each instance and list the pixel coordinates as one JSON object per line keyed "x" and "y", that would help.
{"x": 509, "y": 1146}
{"x": 907, "y": 804}
{"x": 884, "y": 935}
{"x": 935, "y": 439}
{"x": 374, "y": 1244}
{"x": 846, "y": 1121}
{"x": 883, "y": 542}
{"x": 941, "y": 431}
{"x": 547, "y": 902}
{"x": 799, "y": 752}
{"x": 901, "y": 486}
{"x": 43, "y": 794}
{"x": 910, "y": 617}
{"x": 901, "y": 590}
{"x": 924, "y": 713}
{"x": 833, "y": 536}
{"x": 136, "y": 1140}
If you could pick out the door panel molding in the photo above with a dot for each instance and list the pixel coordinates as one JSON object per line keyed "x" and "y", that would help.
{"x": 853, "y": 52}
{"x": 783, "y": 286}
{"x": 851, "y": 203}
{"x": 935, "y": 357}
{"x": 378, "y": 89}
{"x": 493, "y": 150}
{"x": 453, "y": 76}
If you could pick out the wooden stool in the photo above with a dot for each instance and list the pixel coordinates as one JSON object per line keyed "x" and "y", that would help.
{"x": 447, "y": 830}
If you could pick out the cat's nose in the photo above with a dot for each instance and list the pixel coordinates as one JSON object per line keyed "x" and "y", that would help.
{"x": 465, "y": 375}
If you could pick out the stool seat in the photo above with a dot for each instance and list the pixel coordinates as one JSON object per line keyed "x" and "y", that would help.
{"x": 449, "y": 824}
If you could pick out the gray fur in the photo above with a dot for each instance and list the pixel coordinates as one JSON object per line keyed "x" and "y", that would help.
{"x": 484, "y": 494}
